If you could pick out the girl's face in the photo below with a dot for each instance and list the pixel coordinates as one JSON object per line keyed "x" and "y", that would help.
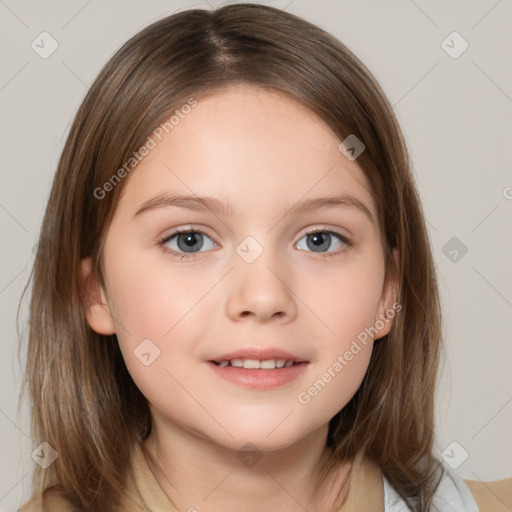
{"x": 249, "y": 275}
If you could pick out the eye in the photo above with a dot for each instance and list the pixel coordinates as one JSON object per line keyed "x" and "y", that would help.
{"x": 184, "y": 243}
{"x": 318, "y": 240}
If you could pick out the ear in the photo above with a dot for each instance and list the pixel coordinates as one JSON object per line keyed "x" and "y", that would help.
{"x": 388, "y": 307}
{"x": 97, "y": 311}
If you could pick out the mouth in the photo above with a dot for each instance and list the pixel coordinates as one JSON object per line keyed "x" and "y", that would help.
{"x": 256, "y": 364}
{"x": 259, "y": 369}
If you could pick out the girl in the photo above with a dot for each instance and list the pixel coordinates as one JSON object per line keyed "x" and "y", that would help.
{"x": 234, "y": 302}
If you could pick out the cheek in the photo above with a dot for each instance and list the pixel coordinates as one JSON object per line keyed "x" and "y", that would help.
{"x": 346, "y": 308}
{"x": 344, "y": 353}
{"x": 160, "y": 316}
{"x": 155, "y": 335}
{"x": 345, "y": 301}
{"x": 335, "y": 382}
{"x": 151, "y": 300}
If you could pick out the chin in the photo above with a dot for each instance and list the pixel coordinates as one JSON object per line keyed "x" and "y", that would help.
{"x": 265, "y": 437}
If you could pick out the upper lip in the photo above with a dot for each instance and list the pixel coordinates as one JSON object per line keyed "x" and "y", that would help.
{"x": 261, "y": 354}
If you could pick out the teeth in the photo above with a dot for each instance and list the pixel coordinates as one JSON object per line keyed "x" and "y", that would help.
{"x": 251, "y": 364}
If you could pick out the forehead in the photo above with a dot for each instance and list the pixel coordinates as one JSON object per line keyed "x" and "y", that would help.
{"x": 251, "y": 147}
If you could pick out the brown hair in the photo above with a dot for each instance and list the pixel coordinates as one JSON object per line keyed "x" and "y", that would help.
{"x": 84, "y": 402}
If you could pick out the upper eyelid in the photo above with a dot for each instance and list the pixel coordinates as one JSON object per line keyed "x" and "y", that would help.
{"x": 180, "y": 230}
{"x": 327, "y": 229}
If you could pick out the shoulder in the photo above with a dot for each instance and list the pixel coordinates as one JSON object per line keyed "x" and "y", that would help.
{"x": 51, "y": 502}
{"x": 492, "y": 496}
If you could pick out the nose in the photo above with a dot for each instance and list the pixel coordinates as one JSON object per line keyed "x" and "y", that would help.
{"x": 261, "y": 290}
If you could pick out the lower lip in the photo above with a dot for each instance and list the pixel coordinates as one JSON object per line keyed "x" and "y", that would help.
{"x": 259, "y": 379}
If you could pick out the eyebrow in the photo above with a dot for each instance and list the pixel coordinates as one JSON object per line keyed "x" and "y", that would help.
{"x": 205, "y": 203}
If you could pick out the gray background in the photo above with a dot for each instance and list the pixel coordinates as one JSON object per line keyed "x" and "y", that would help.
{"x": 455, "y": 113}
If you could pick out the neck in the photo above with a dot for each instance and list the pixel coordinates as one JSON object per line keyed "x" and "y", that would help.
{"x": 198, "y": 474}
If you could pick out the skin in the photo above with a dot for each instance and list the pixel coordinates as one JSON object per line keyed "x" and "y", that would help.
{"x": 262, "y": 152}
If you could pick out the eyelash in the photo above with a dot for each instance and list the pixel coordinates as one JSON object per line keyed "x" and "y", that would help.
{"x": 182, "y": 256}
